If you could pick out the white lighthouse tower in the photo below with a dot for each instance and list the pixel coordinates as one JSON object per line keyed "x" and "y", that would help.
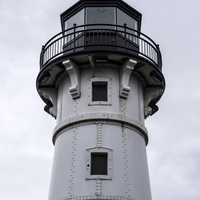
{"x": 100, "y": 78}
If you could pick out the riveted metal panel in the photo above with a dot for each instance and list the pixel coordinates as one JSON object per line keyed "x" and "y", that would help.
{"x": 128, "y": 154}
{"x": 137, "y": 162}
{"x": 61, "y": 171}
{"x": 118, "y": 126}
{"x": 136, "y": 110}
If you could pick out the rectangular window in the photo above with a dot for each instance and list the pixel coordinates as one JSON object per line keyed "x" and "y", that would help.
{"x": 123, "y": 18}
{"x": 99, "y": 91}
{"x": 77, "y": 19}
{"x": 100, "y": 15}
{"x": 99, "y": 163}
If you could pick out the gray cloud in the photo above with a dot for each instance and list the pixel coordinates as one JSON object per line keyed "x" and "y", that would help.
{"x": 26, "y": 150}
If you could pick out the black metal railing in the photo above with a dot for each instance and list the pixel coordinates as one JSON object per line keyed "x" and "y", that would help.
{"x": 95, "y": 37}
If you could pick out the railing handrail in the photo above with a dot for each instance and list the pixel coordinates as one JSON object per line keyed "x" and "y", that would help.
{"x": 127, "y": 31}
{"x": 88, "y": 25}
{"x": 118, "y": 31}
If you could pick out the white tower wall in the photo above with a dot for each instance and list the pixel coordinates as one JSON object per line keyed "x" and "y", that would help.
{"x": 133, "y": 107}
{"x": 116, "y": 126}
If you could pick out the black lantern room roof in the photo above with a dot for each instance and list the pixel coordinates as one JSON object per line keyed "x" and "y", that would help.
{"x": 101, "y": 3}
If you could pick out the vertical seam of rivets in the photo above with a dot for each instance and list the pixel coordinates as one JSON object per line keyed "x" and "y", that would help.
{"x": 90, "y": 91}
{"x": 99, "y": 142}
{"x": 123, "y": 106}
{"x": 125, "y": 161}
{"x": 139, "y": 104}
{"x": 72, "y": 170}
{"x": 76, "y": 102}
{"x": 61, "y": 105}
{"x": 98, "y": 187}
{"x": 99, "y": 135}
{"x": 110, "y": 91}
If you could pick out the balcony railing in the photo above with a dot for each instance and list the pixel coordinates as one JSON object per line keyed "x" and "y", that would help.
{"x": 101, "y": 37}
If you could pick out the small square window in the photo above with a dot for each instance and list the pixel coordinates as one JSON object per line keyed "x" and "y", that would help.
{"x": 99, "y": 163}
{"x": 99, "y": 91}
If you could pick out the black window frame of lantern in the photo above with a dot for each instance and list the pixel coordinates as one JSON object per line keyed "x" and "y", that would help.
{"x": 111, "y": 21}
{"x": 75, "y": 21}
{"x": 68, "y": 14}
{"x": 123, "y": 11}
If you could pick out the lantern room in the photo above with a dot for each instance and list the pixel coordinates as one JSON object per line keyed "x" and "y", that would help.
{"x": 87, "y": 12}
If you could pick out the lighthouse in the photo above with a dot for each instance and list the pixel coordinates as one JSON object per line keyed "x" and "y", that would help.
{"x": 100, "y": 78}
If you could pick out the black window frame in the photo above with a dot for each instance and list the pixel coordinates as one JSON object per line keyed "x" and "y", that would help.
{"x": 99, "y": 163}
{"x": 102, "y": 96}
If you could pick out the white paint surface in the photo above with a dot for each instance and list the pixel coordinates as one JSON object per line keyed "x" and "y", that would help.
{"x": 130, "y": 177}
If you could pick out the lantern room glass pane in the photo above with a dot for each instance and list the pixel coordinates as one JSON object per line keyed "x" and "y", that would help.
{"x": 77, "y": 19}
{"x": 131, "y": 35}
{"x": 123, "y": 18}
{"x": 101, "y": 15}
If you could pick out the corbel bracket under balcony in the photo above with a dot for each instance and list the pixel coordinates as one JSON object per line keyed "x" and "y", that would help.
{"x": 126, "y": 72}
{"x": 149, "y": 95}
{"x": 51, "y": 96}
{"x": 74, "y": 76}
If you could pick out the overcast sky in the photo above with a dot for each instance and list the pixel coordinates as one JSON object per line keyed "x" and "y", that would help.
{"x": 26, "y": 150}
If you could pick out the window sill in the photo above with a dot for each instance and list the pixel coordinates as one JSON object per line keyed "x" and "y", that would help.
{"x": 100, "y": 103}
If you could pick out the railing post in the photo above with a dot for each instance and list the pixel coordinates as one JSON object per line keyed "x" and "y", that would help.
{"x": 74, "y": 37}
{"x": 42, "y": 57}
{"x": 125, "y": 32}
{"x": 159, "y": 57}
